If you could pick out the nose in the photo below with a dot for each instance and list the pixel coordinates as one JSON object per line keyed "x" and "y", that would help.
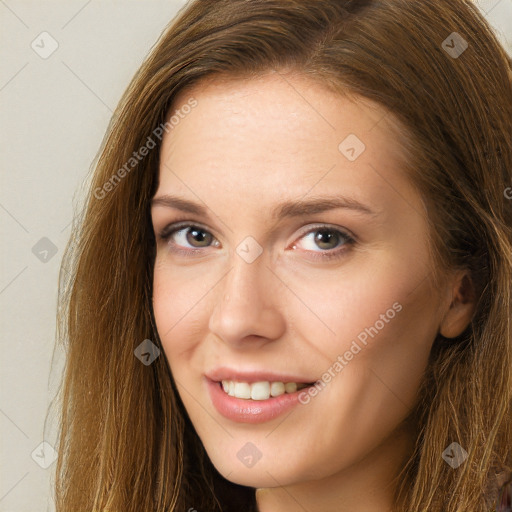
{"x": 246, "y": 311}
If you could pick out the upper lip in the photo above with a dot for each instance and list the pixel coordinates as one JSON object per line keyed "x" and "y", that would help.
{"x": 249, "y": 376}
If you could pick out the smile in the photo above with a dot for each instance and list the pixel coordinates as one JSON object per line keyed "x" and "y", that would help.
{"x": 248, "y": 398}
{"x": 260, "y": 390}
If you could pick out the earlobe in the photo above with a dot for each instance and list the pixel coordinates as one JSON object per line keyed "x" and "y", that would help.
{"x": 462, "y": 307}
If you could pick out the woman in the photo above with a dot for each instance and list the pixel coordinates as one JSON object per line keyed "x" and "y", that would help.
{"x": 291, "y": 288}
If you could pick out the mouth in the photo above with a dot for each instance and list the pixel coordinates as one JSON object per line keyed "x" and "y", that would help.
{"x": 251, "y": 398}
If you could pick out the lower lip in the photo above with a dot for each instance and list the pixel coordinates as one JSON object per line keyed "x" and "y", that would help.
{"x": 250, "y": 411}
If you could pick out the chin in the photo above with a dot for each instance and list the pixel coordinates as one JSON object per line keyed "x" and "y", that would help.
{"x": 263, "y": 473}
{"x": 257, "y": 478}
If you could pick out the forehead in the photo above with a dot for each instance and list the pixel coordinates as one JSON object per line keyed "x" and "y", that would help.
{"x": 277, "y": 137}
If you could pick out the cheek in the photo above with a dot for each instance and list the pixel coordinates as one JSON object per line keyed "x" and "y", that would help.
{"x": 178, "y": 303}
{"x": 375, "y": 297}
{"x": 377, "y": 324}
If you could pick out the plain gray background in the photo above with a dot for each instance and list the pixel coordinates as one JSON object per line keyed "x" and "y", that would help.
{"x": 55, "y": 108}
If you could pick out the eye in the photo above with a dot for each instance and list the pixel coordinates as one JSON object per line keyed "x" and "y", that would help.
{"x": 187, "y": 235}
{"x": 331, "y": 242}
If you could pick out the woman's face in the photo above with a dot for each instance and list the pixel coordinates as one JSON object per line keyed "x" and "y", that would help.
{"x": 291, "y": 249}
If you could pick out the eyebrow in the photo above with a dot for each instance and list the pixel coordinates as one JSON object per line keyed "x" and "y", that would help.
{"x": 286, "y": 209}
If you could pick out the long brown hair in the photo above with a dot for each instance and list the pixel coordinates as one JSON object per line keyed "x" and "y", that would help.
{"x": 126, "y": 443}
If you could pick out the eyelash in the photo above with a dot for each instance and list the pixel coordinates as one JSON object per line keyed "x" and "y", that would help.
{"x": 348, "y": 240}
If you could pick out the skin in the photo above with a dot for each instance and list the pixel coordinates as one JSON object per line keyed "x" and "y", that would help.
{"x": 246, "y": 147}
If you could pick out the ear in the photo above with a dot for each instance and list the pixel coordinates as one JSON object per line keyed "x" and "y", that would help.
{"x": 462, "y": 306}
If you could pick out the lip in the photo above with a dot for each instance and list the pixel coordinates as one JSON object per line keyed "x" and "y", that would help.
{"x": 250, "y": 411}
{"x": 250, "y": 376}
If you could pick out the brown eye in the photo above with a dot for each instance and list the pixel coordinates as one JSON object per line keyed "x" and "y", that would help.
{"x": 327, "y": 238}
{"x": 186, "y": 238}
{"x": 197, "y": 236}
{"x": 324, "y": 243}
{"x": 324, "y": 238}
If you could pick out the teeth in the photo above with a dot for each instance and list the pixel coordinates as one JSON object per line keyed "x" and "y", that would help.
{"x": 290, "y": 387}
{"x": 277, "y": 388}
{"x": 259, "y": 390}
{"x": 242, "y": 390}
